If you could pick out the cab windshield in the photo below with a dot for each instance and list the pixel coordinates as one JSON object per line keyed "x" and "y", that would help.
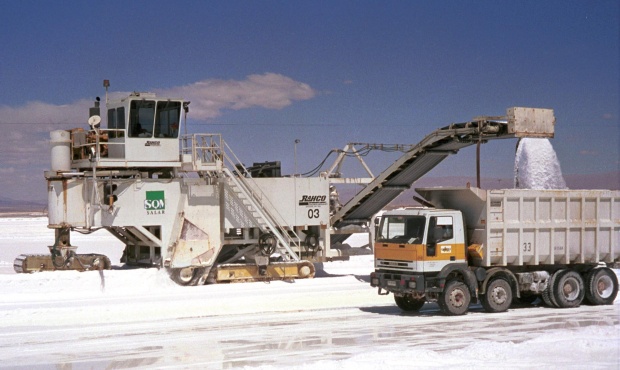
{"x": 159, "y": 119}
{"x": 401, "y": 229}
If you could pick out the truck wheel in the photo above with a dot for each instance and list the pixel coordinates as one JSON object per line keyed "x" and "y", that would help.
{"x": 408, "y": 303}
{"x": 547, "y": 295}
{"x": 568, "y": 289}
{"x": 455, "y": 298}
{"x": 498, "y": 296}
{"x": 601, "y": 286}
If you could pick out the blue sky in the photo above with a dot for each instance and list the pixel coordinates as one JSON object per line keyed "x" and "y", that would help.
{"x": 264, "y": 73}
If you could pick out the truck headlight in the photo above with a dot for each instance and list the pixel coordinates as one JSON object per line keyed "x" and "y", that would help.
{"x": 412, "y": 284}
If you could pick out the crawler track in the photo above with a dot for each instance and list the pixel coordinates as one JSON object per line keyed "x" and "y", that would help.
{"x": 26, "y": 263}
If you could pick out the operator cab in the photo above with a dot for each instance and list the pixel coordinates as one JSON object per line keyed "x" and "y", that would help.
{"x": 143, "y": 127}
{"x": 142, "y": 132}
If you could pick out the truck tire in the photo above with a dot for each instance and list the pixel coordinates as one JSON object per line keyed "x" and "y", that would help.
{"x": 455, "y": 298}
{"x": 568, "y": 289}
{"x": 547, "y": 294}
{"x": 408, "y": 303}
{"x": 498, "y": 296}
{"x": 601, "y": 286}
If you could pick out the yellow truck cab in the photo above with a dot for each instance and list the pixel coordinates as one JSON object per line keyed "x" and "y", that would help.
{"x": 420, "y": 241}
{"x": 416, "y": 249}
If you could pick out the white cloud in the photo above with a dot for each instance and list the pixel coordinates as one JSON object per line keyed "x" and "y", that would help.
{"x": 24, "y": 144}
{"x": 208, "y": 97}
{"x": 40, "y": 113}
{"x": 269, "y": 90}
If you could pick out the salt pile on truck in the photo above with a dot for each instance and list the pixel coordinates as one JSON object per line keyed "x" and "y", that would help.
{"x": 494, "y": 246}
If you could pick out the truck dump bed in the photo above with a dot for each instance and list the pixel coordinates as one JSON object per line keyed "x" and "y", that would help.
{"x": 536, "y": 227}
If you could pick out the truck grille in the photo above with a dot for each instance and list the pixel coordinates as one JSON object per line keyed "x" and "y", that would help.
{"x": 394, "y": 265}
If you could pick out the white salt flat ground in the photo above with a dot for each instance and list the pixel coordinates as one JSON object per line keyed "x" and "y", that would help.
{"x": 138, "y": 318}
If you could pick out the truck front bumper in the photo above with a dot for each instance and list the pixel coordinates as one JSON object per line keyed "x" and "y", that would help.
{"x": 398, "y": 282}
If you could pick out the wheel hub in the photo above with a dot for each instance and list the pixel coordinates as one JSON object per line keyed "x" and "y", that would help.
{"x": 604, "y": 286}
{"x": 499, "y": 295}
{"x": 457, "y": 298}
{"x": 570, "y": 289}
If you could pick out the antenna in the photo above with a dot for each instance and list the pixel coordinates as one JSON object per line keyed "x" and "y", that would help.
{"x": 106, "y": 84}
{"x": 186, "y": 109}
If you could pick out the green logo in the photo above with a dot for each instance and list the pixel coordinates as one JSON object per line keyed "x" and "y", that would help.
{"x": 155, "y": 201}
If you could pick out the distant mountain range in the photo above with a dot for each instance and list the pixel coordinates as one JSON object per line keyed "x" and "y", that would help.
{"x": 12, "y": 205}
{"x": 609, "y": 181}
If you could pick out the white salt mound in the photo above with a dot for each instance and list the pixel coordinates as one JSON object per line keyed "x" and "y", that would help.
{"x": 537, "y": 166}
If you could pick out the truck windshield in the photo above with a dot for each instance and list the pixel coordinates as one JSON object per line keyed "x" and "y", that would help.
{"x": 401, "y": 229}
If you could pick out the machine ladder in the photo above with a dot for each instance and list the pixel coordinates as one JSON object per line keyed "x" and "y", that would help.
{"x": 265, "y": 219}
{"x": 208, "y": 153}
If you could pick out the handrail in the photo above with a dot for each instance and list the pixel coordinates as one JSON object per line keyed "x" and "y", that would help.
{"x": 92, "y": 144}
{"x": 210, "y": 149}
{"x": 264, "y": 205}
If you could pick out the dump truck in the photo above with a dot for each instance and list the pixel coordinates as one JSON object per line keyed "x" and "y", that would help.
{"x": 468, "y": 245}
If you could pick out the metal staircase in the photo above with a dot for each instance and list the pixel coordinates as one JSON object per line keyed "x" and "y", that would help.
{"x": 264, "y": 219}
{"x": 209, "y": 154}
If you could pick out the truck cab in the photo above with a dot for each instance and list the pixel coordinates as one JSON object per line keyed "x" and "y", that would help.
{"x": 419, "y": 241}
{"x": 418, "y": 251}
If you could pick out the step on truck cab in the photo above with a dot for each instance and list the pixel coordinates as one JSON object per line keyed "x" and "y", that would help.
{"x": 496, "y": 246}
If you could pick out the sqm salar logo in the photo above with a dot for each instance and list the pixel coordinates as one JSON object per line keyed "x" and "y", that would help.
{"x": 155, "y": 203}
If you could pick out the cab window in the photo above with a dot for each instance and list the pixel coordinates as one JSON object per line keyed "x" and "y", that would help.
{"x": 167, "y": 119}
{"x": 116, "y": 121}
{"x": 112, "y": 121}
{"x": 440, "y": 229}
{"x": 120, "y": 121}
{"x": 141, "y": 118}
{"x": 401, "y": 229}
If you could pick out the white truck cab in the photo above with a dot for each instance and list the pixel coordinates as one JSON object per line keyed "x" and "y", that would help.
{"x": 419, "y": 240}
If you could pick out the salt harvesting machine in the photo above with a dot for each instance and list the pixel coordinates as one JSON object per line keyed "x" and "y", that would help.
{"x": 184, "y": 202}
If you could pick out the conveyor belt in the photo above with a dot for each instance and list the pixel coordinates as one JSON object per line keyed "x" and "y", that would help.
{"x": 429, "y": 152}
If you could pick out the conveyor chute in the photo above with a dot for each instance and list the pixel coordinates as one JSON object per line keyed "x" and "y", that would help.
{"x": 434, "y": 148}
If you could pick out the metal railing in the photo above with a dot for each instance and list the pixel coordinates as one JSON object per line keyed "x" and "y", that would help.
{"x": 94, "y": 144}
{"x": 209, "y": 151}
{"x": 202, "y": 149}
